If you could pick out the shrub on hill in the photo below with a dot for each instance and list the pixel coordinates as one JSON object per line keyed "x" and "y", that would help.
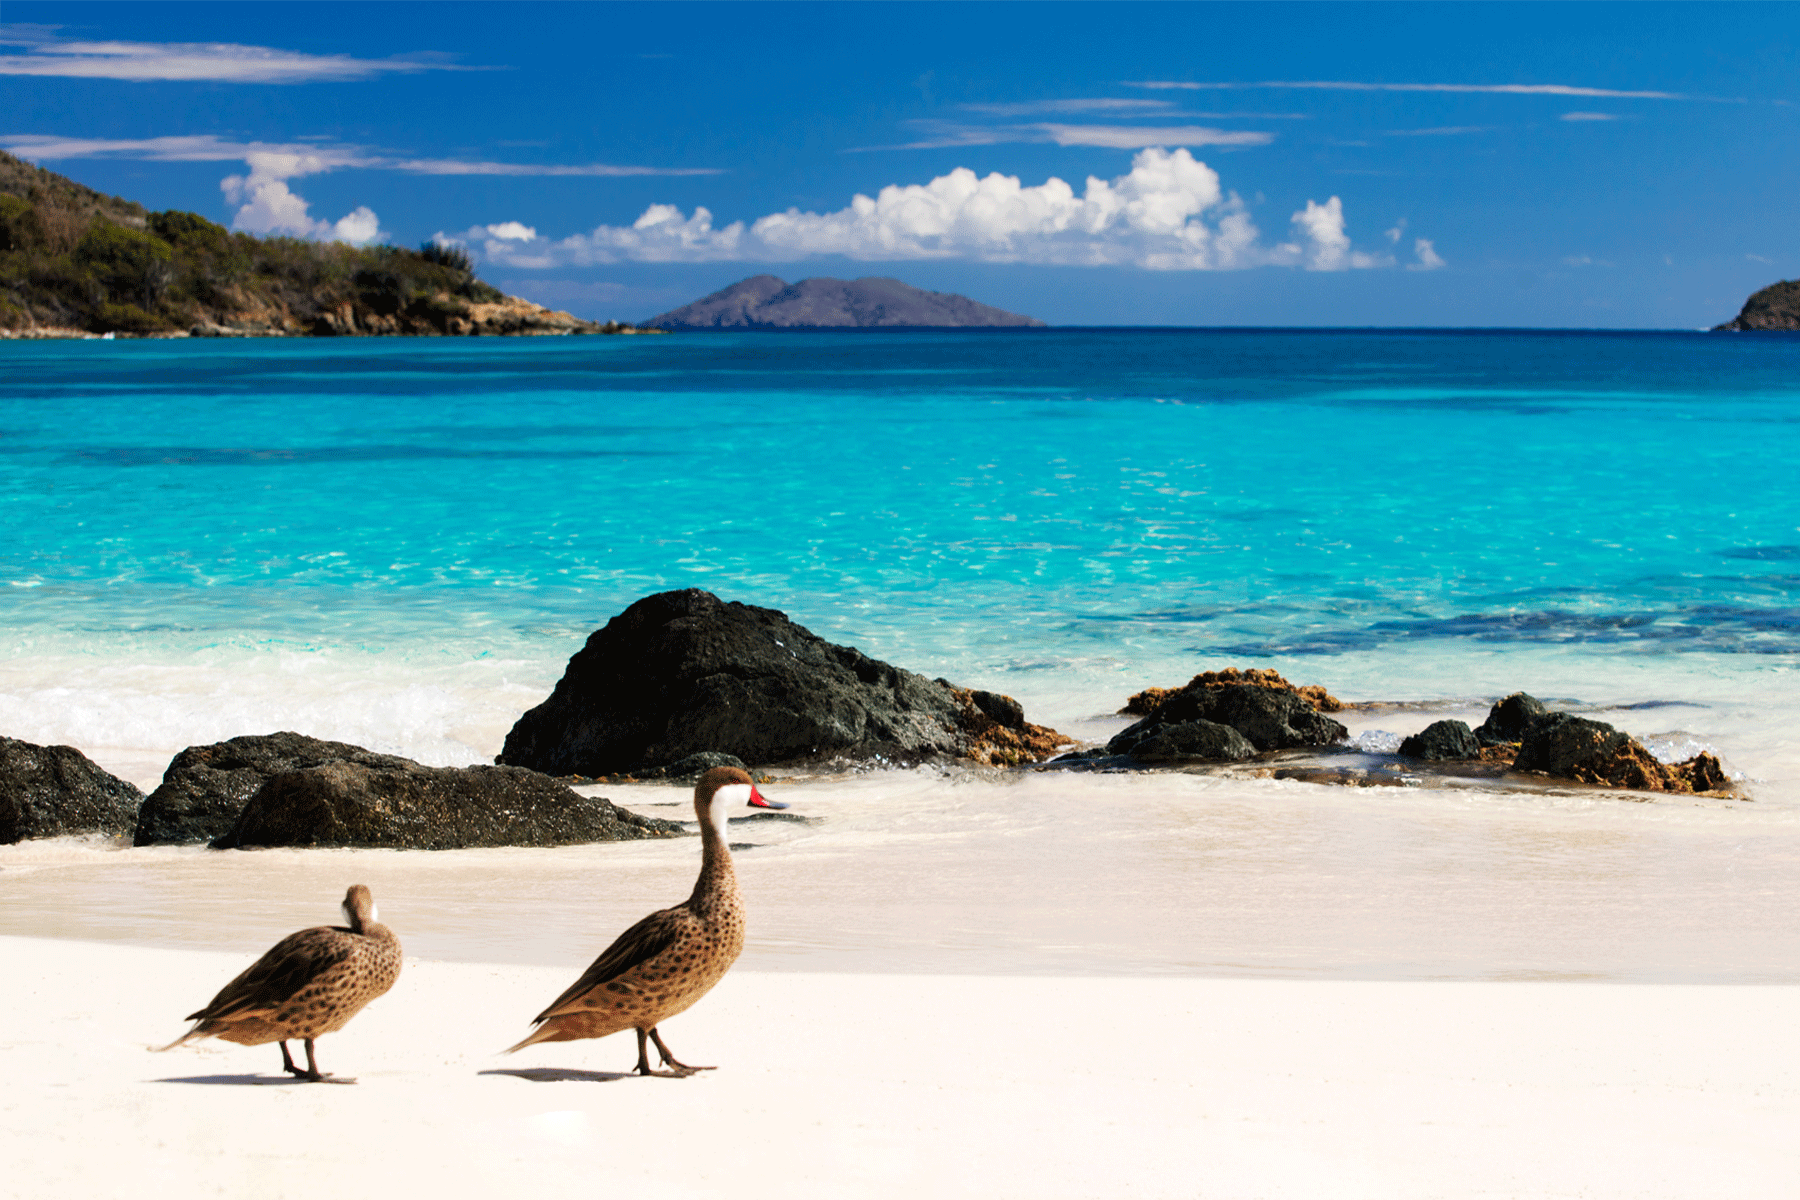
{"x": 73, "y": 257}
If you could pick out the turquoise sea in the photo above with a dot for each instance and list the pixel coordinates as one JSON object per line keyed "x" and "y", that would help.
{"x": 400, "y": 542}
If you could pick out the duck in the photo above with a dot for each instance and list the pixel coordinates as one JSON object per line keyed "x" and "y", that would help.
{"x": 666, "y": 962}
{"x": 309, "y": 984}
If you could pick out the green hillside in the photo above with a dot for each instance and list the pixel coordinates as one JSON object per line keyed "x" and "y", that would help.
{"x": 73, "y": 258}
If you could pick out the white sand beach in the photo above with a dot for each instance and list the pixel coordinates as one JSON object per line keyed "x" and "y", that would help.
{"x": 917, "y": 1085}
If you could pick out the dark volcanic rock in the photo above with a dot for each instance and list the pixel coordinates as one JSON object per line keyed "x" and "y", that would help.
{"x": 682, "y": 672}
{"x": 1508, "y": 720}
{"x": 765, "y": 302}
{"x": 1442, "y": 740}
{"x": 429, "y": 808}
{"x": 1572, "y": 747}
{"x": 1270, "y": 718}
{"x": 49, "y": 791}
{"x": 206, "y": 787}
{"x": 1775, "y": 307}
{"x": 1194, "y": 740}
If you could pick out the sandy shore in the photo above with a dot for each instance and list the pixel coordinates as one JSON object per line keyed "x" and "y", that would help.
{"x": 867, "y": 1085}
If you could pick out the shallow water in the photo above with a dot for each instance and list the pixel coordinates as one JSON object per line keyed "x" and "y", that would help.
{"x": 399, "y": 544}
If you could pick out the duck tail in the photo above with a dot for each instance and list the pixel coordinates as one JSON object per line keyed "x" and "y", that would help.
{"x": 543, "y": 1033}
{"x": 195, "y": 1032}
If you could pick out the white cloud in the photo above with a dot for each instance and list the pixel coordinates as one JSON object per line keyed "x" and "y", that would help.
{"x": 1168, "y": 212}
{"x": 951, "y": 134}
{"x": 207, "y": 148}
{"x": 512, "y": 231}
{"x": 1758, "y": 258}
{"x": 1325, "y": 245}
{"x": 1427, "y": 256}
{"x": 268, "y": 206}
{"x": 1393, "y": 235}
{"x": 1441, "y": 131}
{"x": 1510, "y": 89}
{"x": 47, "y": 55}
{"x": 1588, "y": 116}
{"x": 1130, "y": 137}
{"x": 1034, "y": 107}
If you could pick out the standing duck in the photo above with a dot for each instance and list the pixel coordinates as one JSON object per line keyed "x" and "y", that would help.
{"x": 309, "y": 984}
{"x": 668, "y": 960}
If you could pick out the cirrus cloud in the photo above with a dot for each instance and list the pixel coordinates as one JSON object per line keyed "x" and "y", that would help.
{"x": 46, "y": 54}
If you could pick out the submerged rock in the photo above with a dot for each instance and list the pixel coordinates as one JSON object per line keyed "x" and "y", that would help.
{"x": 414, "y": 807}
{"x": 1269, "y": 718}
{"x": 52, "y": 791}
{"x": 683, "y": 672}
{"x": 206, "y": 787}
{"x": 1442, "y": 741}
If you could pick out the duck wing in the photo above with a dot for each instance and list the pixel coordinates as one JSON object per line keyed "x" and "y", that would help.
{"x": 636, "y": 946}
{"x": 292, "y": 963}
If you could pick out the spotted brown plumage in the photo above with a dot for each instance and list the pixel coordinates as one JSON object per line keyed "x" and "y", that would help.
{"x": 309, "y": 984}
{"x": 663, "y": 964}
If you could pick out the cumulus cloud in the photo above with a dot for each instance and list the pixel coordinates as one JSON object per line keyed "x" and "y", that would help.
{"x": 1427, "y": 256}
{"x": 266, "y": 205}
{"x": 48, "y": 55}
{"x": 1168, "y": 212}
{"x": 1323, "y": 244}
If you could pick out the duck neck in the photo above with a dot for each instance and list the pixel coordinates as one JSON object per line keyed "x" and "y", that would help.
{"x": 718, "y": 879}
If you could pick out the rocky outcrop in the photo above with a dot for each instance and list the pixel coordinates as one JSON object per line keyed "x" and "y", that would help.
{"x": 449, "y": 316}
{"x": 678, "y": 673}
{"x": 1268, "y": 717}
{"x": 413, "y": 807}
{"x": 1570, "y": 747}
{"x": 1193, "y": 741}
{"x": 1442, "y": 741}
{"x": 206, "y": 787}
{"x": 1508, "y": 720}
{"x": 1776, "y": 307}
{"x": 51, "y": 791}
{"x": 1146, "y": 702}
{"x": 765, "y": 302}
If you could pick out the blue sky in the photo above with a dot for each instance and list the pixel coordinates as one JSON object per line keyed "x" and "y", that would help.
{"x": 1611, "y": 165}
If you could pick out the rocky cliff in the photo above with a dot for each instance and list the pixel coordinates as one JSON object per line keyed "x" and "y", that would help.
{"x": 1775, "y": 307}
{"x": 765, "y": 302}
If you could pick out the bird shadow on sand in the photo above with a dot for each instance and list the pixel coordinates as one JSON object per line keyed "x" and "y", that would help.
{"x": 561, "y": 1074}
{"x": 238, "y": 1080}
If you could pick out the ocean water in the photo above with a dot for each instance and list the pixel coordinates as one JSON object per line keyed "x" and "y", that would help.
{"x": 399, "y": 543}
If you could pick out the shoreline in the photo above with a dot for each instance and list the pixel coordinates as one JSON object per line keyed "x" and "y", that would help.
{"x": 881, "y": 1085}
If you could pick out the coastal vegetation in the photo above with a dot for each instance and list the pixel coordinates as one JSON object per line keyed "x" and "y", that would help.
{"x": 75, "y": 259}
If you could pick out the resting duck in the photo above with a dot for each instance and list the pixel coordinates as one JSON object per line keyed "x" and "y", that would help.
{"x": 668, "y": 960}
{"x": 309, "y": 984}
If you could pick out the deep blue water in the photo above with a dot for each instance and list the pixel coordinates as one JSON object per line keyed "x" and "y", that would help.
{"x": 1010, "y": 501}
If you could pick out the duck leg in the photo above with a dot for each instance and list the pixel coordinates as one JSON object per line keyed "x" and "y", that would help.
{"x": 669, "y": 1060}
{"x": 643, "y": 1063}
{"x": 312, "y": 1074}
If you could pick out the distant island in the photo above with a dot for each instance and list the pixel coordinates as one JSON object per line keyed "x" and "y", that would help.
{"x": 78, "y": 263}
{"x": 1775, "y": 307}
{"x": 765, "y": 302}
